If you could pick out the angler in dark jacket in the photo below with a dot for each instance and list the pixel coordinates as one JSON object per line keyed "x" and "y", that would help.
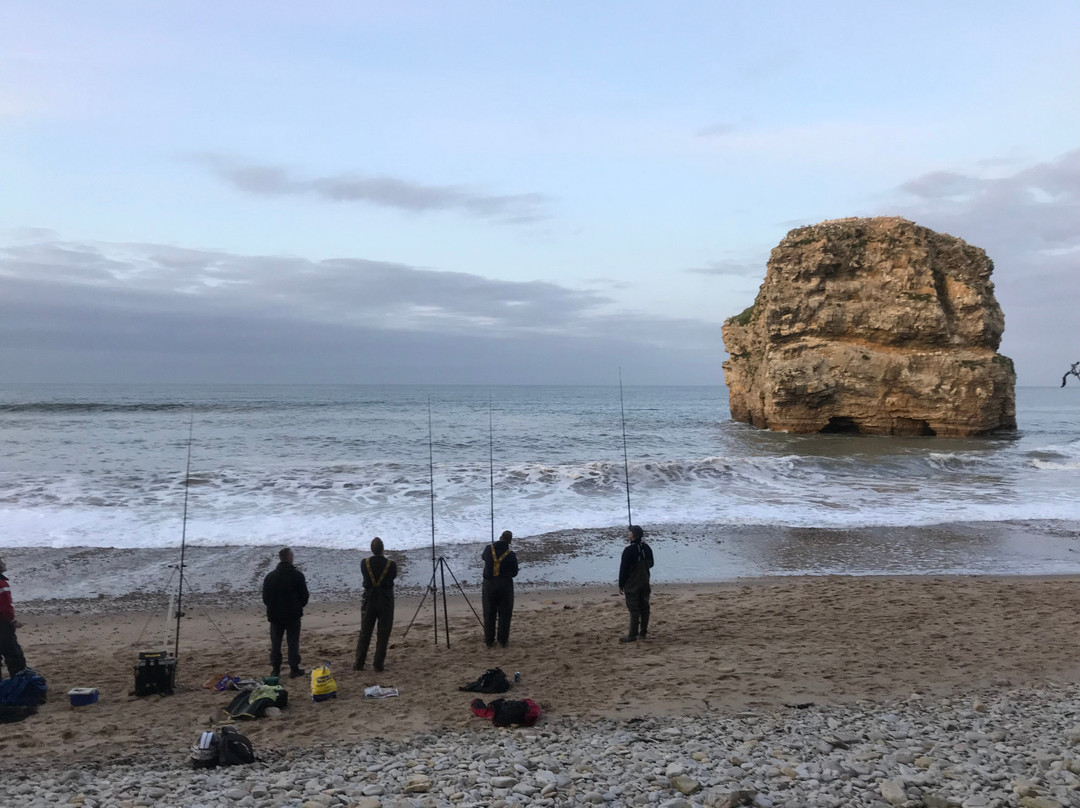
{"x": 285, "y": 594}
{"x": 500, "y": 569}
{"x": 376, "y": 606}
{"x": 637, "y": 560}
{"x": 10, "y": 652}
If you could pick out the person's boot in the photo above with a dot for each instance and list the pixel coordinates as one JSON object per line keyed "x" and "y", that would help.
{"x": 633, "y": 633}
{"x": 296, "y": 673}
{"x": 644, "y": 627}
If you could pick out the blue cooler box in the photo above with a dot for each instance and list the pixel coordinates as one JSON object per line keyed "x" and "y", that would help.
{"x": 81, "y": 696}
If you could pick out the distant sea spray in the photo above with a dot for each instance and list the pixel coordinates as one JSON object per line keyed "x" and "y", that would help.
{"x": 333, "y": 466}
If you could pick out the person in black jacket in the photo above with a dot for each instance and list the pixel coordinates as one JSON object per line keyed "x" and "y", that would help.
{"x": 500, "y": 569}
{"x": 285, "y": 594}
{"x": 637, "y": 560}
{"x": 376, "y": 606}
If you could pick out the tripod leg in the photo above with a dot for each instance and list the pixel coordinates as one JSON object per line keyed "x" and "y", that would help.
{"x": 466, "y": 597}
{"x": 446, "y": 614}
{"x": 419, "y": 606}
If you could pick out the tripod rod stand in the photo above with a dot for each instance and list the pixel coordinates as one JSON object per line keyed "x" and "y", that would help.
{"x": 440, "y": 567}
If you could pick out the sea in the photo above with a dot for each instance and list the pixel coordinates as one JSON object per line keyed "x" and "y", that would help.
{"x": 330, "y": 466}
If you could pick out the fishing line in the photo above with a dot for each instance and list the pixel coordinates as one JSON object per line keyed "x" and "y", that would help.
{"x": 183, "y": 537}
{"x": 626, "y": 461}
{"x": 431, "y": 487}
{"x": 491, "y": 473}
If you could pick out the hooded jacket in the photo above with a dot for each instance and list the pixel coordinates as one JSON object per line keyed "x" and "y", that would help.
{"x": 637, "y": 560}
{"x": 285, "y": 594}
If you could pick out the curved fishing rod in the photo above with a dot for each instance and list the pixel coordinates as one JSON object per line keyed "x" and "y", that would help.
{"x": 183, "y": 541}
{"x": 431, "y": 488}
{"x": 626, "y": 461}
{"x": 491, "y": 473}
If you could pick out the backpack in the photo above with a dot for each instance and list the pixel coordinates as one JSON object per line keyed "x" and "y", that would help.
{"x": 493, "y": 680}
{"x": 233, "y": 748}
{"x": 24, "y": 689}
{"x": 225, "y": 748}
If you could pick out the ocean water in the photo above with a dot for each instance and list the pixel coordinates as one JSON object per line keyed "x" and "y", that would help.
{"x": 331, "y": 466}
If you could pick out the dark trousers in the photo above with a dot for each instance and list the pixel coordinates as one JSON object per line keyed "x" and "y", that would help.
{"x": 637, "y": 602}
{"x": 376, "y": 615}
{"x": 498, "y": 609}
{"x": 9, "y": 648}
{"x": 291, "y": 631}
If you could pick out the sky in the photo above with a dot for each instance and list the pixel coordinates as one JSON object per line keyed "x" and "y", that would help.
{"x": 503, "y": 192}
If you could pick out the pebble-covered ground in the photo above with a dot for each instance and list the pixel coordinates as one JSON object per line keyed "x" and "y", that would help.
{"x": 1014, "y": 747}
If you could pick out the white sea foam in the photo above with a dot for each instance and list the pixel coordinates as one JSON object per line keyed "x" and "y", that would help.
{"x": 308, "y": 466}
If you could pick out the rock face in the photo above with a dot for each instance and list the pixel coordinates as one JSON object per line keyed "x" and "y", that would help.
{"x": 875, "y": 326}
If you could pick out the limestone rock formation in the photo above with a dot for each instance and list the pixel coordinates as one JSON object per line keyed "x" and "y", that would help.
{"x": 876, "y": 326}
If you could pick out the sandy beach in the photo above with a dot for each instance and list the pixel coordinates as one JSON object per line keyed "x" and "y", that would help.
{"x": 825, "y": 640}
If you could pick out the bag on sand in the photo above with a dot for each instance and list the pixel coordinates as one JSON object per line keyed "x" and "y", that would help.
{"x": 253, "y": 703}
{"x": 204, "y": 752}
{"x": 504, "y": 712}
{"x": 323, "y": 686}
{"x": 234, "y": 749}
{"x": 493, "y": 680}
{"x": 225, "y": 748}
{"x": 25, "y": 689}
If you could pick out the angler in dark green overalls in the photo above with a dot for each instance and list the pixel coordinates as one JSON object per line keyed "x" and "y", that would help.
{"x": 500, "y": 569}
{"x": 377, "y": 606}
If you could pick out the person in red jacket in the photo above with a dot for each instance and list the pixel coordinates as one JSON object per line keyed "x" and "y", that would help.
{"x": 10, "y": 651}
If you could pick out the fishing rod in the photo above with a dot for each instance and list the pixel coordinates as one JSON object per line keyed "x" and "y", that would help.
{"x": 491, "y": 474}
{"x": 439, "y": 565}
{"x": 626, "y": 461}
{"x": 431, "y": 487}
{"x": 183, "y": 540}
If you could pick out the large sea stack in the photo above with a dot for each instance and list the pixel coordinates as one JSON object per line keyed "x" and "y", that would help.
{"x": 875, "y": 326}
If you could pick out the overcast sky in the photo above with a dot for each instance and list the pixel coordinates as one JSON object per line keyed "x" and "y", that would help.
{"x": 503, "y": 192}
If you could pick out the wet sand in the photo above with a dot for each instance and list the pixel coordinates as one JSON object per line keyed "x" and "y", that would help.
{"x": 92, "y": 578}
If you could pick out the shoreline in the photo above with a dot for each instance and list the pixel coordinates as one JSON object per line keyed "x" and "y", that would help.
{"x": 67, "y": 579}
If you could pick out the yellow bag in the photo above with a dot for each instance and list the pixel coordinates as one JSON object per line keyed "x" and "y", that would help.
{"x": 323, "y": 686}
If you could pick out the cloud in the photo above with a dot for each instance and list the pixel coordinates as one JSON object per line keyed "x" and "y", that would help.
{"x": 1037, "y": 207}
{"x": 150, "y": 312}
{"x": 726, "y": 267}
{"x": 389, "y": 192}
{"x": 1028, "y": 221}
{"x": 716, "y": 130}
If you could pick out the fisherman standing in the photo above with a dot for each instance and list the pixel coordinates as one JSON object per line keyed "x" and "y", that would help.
{"x": 376, "y": 605}
{"x": 500, "y": 569}
{"x": 285, "y": 594}
{"x": 637, "y": 560}
{"x": 10, "y": 652}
